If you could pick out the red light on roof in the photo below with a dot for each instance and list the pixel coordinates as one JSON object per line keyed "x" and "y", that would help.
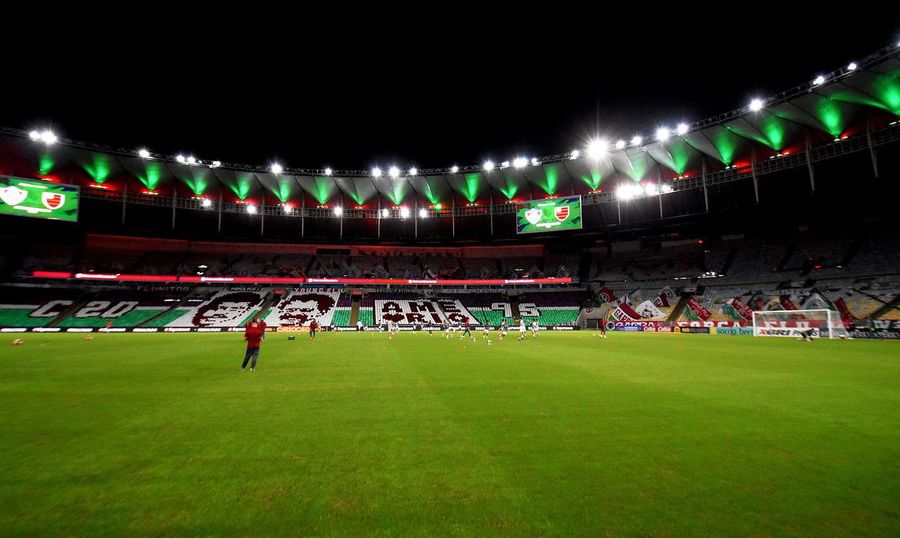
{"x": 699, "y": 241}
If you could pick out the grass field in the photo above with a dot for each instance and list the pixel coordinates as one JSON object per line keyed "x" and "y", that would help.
{"x": 354, "y": 434}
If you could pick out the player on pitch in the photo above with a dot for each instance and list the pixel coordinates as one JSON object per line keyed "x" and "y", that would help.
{"x": 253, "y": 334}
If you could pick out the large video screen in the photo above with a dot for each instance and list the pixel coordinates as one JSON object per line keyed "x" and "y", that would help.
{"x": 550, "y": 215}
{"x": 42, "y": 199}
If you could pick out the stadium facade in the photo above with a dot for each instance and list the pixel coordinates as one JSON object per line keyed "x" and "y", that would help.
{"x": 784, "y": 204}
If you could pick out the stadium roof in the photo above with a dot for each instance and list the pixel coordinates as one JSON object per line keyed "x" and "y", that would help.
{"x": 834, "y": 106}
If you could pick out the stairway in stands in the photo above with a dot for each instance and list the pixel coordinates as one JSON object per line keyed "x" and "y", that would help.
{"x": 679, "y": 307}
{"x": 885, "y": 307}
{"x": 354, "y": 311}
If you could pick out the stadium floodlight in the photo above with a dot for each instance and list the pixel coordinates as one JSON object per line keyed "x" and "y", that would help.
{"x": 376, "y": 172}
{"x": 215, "y": 164}
{"x": 328, "y": 171}
{"x": 663, "y": 134}
{"x": 286, "y": 208}
{"x": 650, "y": 189}
{"x": 423, "y": 213}
{"x": 206, "y": 202}
{"x": 143, "y": 153}
{"x": 756, "y": 104}
{"x": 620, "y": 144}
{"x": 666, "y": 188}
{"x": 597, "y": 149}
{"x": 488, "y": 166}
{"x": 852, "y": 67}
{"x": 413, "y": 171}
{"x": 520, "y": 162}
{"x": 338, "y": 211}
{"x": 454, "y": 169}
{"x": 682, "y": 129}
{"x": 637, "y": 140}
{"x": 819, "y": 80}
{"x": 385, "y": 213}
{"x": 251, "y": 209}
{"x": 623, "y": 192}
{"x": 191, "y": 159}
{"x": 575, "y": 154}
{"x": 180, "y": 158}
{"x": 404, "y": 212}
{"x": 504, "y": 164}
{"x": 535, "y": 161}
{"x": 394, "y": 172}
{"x": 46, "y": 136}
{"x": 276, "y": 169}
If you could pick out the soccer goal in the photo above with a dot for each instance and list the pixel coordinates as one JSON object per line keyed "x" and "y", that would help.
{"x": 824, "y": 323}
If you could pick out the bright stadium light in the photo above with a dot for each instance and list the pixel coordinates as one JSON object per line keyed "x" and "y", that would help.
{"x": 385, "y": 213}
{"x": 575, "y": 154}
{"x": 276, "y": 169}
{"x": 286, "y": 208}
{"x": 328, "y": 171}
{"x": 376, "y": 172}
{"x": 206, "y": 202}
{"x": 852, "y": 67}
{"x": 191, "y": 159}
{"x": 143, "y": 153}
{"x": 637, "y": 140}
{"x": 597, "y": 149}
{"x": 215, "y": 164}
{"x": 413, "y": 171}
{"x": 423, "y": 213}
{"x": 251, "y": 209}
{"x": 623, "y": 192}
{"x": 535, "y": 161}
{"x": 650, "y": 189}
{"x": 454, "y": 169}
{"x": 682, "y": 129}
{"x": 180, "y": 158}
{"x": 663, "y": 134}
{"x": 620, "y": 144}
{"x": 756, "y": 104}
{"x": 520, "y": 162}
{"x": 819, "y": 80}
{"x": 666, "y": 189}
{"x": 504, "y": 164}
{"x": 394, "y": 172}
{"x": 338, "y": 211}
{"x": 46, "y": 136}
{"x": 404, "y": 212}
{"x": 488, "y": 166}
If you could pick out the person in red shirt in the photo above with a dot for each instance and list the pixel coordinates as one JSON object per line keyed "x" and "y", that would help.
{"x": 253, "y": 334}
{"x": 313, "y": 325}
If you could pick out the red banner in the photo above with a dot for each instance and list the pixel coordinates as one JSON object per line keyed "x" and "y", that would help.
{"x": 787, "y": 304}
{"x": 846, "y": 315}
{"x": 607, "y": 294}
{"x": 116, "y": 277}
{"x": 741, "y": 308}
{"x": 698, "y": 309}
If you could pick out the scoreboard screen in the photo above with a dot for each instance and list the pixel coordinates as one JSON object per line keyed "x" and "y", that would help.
{"x": 41, "y": 199}
{"x": 549, "y": 215}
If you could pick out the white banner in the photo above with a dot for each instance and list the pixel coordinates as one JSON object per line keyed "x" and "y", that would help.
{"x": 423, "y": 311}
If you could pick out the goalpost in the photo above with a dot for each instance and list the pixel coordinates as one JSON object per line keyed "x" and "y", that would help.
{"x": 825, "y": 323}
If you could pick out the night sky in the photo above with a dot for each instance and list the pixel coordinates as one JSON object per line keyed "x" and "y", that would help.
{"x": 423, "y": 94}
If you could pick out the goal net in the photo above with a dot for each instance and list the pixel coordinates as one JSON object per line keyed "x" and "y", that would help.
{"x": 824, "y": 323}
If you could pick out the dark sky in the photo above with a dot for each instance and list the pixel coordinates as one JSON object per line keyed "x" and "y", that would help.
{"x": 312, "y": 91}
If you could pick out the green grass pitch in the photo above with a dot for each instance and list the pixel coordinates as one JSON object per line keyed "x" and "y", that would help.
{"x": 568, "y": 434}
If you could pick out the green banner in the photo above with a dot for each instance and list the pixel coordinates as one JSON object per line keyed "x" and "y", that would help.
{"x": 42, "y": 199}
{"x": 549, "y": 215}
